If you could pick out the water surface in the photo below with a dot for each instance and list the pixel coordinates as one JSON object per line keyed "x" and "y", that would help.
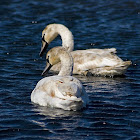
{"x": 114, "y": 108}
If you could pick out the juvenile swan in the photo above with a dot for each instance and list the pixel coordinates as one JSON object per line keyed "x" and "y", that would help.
{"x": 63, "y": 90}
{"x": 101, "y": 62}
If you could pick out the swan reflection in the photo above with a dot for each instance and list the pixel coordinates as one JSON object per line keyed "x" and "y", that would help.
{"x": 54, "y": 112}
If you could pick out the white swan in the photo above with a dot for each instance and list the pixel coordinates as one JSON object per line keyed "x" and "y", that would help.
{"x": 101, "y": 62}
{"x": 60, "y": 91}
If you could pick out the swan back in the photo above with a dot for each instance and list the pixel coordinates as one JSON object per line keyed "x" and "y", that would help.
{"x": 60, "y": 92}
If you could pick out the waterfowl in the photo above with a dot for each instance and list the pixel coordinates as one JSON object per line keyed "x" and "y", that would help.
{"x": 63, "y": 90}
{"x": 98, "y": 62}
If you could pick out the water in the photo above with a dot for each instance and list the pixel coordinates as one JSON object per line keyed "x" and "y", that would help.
{"x": 114, "y": 109}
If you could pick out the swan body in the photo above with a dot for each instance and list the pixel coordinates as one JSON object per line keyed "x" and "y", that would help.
{"x": 100, "y": 62}
{"x": 63, "y": 90}
{"x": 107, "y": 64}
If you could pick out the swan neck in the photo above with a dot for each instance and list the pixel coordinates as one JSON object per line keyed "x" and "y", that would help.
{"x": 66, "y": 61}
{"x": 67, "y": 38}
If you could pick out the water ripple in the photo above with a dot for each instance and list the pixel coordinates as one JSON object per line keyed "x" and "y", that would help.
{"x": 113, "y": 111}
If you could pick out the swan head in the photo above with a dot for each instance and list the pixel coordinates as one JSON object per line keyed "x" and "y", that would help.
{"x": 48, "y": 35}
{"x": 51, "y": 32}
{"x": 52, "y": 58}
{"x": 56, "y": 55}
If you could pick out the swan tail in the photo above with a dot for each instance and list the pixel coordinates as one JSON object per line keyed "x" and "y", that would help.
{"x": 120, "y": 69}
{"x": 111, "y": 71}
{"x": 126, "y": 63}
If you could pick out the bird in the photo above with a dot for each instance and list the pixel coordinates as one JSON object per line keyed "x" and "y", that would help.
{"x": 61, "y": 91}
{"x": 96, "y": 62}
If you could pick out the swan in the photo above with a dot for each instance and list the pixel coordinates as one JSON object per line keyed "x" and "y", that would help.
{"x": 98, "y": 62}
{"x": 63, "y": 90}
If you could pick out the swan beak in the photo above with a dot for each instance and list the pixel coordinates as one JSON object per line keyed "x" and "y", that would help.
{"x": 47, "y": 68}
{"x": 43, "y": 48}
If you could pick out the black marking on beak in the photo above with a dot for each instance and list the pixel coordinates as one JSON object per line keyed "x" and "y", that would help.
{"x": 44, "y": 46}
{"x": 43, "y": 39}
{"x": 47, "y": 68}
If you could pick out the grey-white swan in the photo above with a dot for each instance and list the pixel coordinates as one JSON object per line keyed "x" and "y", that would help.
{"x": 63, "y": 90}
{"x": 101, "y": 62}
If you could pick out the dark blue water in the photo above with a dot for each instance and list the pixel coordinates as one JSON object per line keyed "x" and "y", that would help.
{"x": 114, "y": 109}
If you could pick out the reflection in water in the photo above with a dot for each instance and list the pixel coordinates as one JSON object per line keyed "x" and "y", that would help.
{"x": 103, "y": 84}
{"x": 53, "y": 112}
{"x": 101, "y": 79}
{"x": 39, "y": 123}
{"x": 56, "y": 119}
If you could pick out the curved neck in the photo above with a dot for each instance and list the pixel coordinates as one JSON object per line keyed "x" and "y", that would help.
{"x": 66, "y": 36}
{"x": 66, "y": 64}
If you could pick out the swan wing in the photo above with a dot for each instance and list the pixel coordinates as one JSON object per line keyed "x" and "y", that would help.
{"x": 102, "y": 51}
{"x": 61, "y": 92}
{"x": 85, "y": 60}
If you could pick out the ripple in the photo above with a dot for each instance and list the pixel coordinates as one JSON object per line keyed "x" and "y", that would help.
{"x": 113, "y": 111}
